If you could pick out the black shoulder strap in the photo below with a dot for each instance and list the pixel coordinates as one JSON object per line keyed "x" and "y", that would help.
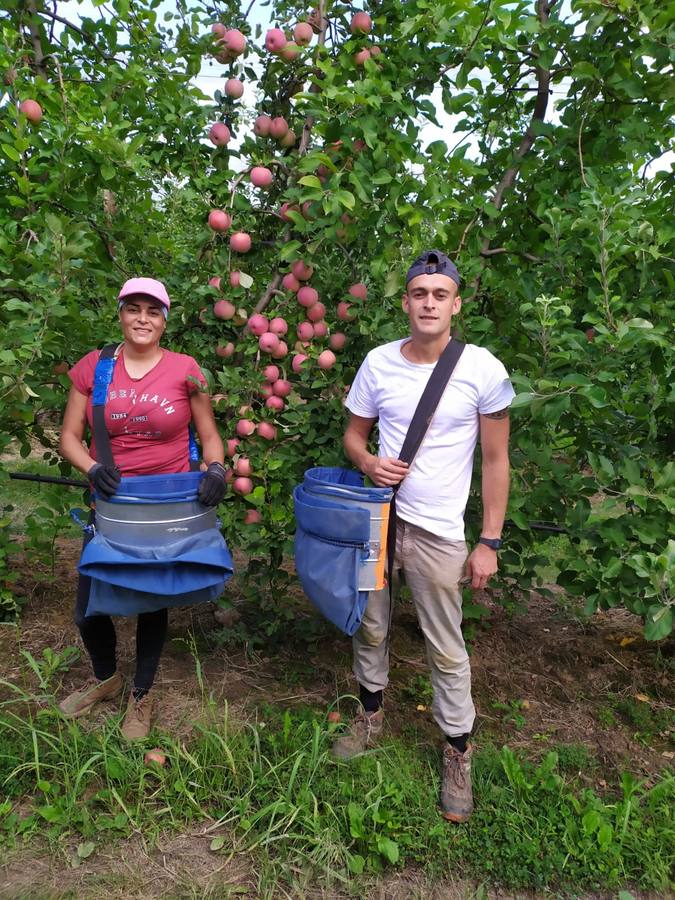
{"x": 102, "y": 378}
{"x": 430, "y": 398}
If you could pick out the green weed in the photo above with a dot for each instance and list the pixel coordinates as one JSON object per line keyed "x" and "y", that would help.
{"x": 269, "y": 788}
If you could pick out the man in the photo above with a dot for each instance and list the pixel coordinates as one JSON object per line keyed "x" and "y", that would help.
{"x": 430, "y": 547}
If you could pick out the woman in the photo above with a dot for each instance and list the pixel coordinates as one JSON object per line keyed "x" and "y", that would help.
{"x": 152, "y": 398}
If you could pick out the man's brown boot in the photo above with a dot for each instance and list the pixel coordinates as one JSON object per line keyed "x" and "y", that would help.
{"x": 138, "y": 718}
{"x": 456, "y": 793}
{"x": 81, "y": 701}
{"x": 361, "y": 734}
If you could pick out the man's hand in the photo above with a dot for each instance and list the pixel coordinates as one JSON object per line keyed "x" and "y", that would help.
{"x": 481, "y": 566}
{"x": 384, "y": 471}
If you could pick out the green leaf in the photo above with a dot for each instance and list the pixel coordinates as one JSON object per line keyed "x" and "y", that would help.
{"x": 639, "y": 323}
{"x": 85, "y": 850}
{"x": 217, "y": 843}
{"x": 658, "y": 622}
{"x": 11, "y": 153}
{"x": 356, "y": 864}
{"x": 388, "y": 849}
{"x": 523, "y": 399}
{"x": 310, "y": 181}
{"x": 245, "y": 280}
{"x": 345, "y": 198}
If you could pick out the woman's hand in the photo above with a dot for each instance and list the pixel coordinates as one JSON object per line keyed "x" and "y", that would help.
{"x": 105, "y": 479}
{"x": 213, "y": 486}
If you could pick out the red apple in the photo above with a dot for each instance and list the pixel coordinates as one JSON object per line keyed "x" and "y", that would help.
{"x": 268, "y": 342}
{"x": 266, "y": 431}
{"x": 219, "y": 134}
{"x": 290, "y": 282}
{"x": 316, "y": 311}
{"x": 361, "y": 23}
{"x": 234, "y": 41}
{"x": 289, "y": 52}
{"x": 252, "y": 517}
{"x": 334, "y": 717}
{"x": 258, "y": 324}
{"x": 289, "y": 139}
{"x": 214, "y": 282}
{"x": 360, "y": 291}
{"x": 234, "y": 278}
{"x": 282, "y": 388}
{"x": 298, "y": 360}
{"x": 265, "y": 390}
{"x": 305, "y": 331}
{"x": 343, "y": 311}
{"x": 234, "y": 88}
{"x": 261, "y": 176}
{"x": 375, "y": 50}
{"x": 245, "y": 427}
{"x": 223, "y": 309}
{"x": 261, "y": 126}
{"x": 361, "y": 57}
{"x": 219, "y": 220}
{"x": 243, "y": 466}
{"x": 275, "y": 40}
{"x": 231, "y": 446}
{"x": 156, "y": 756}
{"x": 278, "y": 127}
{"x": 327, "y": 359}
{"x": 31, "y": 110}
{"x": 271, "y": 373}
{"x": 240, "y": 242}
{"x": 320, "y": 329}
{"x": 308, "y": 296}
{"x": 302, "y": 34}
{"x": 218, "y": 29}
{"x": 337, "y": 340}
{"x": 281, "y": 350}
{"x": 278, "y": 326}
{"x": 242, "y": 486}
{"x": 226, "y": 350}
{"x": 275, "y": 403}
{"x": 301, "y": 270}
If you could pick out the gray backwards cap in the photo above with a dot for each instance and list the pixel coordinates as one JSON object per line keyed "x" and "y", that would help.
{"x": 432, "y": 262}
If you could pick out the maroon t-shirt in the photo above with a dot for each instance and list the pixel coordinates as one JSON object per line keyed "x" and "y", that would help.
{"x": 147, "y": 418}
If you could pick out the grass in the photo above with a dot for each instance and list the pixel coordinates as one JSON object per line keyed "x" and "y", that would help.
{"x": 268, "y": 788}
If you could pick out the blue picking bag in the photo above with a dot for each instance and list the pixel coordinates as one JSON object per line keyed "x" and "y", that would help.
{"x": 333, "y": 541}
{"x": 154, "y": 546}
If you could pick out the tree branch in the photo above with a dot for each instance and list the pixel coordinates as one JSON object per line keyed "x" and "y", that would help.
{"x": 538, "y": 115}
{"x": 496, "y": 251}
{"x": 36, "y": 41}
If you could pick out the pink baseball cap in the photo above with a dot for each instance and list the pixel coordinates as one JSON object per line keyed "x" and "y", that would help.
{"x": 150, "y": 287}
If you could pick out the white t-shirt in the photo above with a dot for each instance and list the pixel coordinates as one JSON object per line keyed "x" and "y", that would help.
{"x": 387, "y": 386}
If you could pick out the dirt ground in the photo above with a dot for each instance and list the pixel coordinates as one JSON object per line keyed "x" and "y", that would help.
{"x": 542, "y": 678}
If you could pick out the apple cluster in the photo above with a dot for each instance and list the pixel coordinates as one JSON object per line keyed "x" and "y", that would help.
{"x": 297, "y": 300}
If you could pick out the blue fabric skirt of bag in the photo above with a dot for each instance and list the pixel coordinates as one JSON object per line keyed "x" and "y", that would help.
{"x": 154, "y": 568}
{"x": 331, "y": 541}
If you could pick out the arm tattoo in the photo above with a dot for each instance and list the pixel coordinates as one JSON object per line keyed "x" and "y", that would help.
{"x": 500, "y": 414}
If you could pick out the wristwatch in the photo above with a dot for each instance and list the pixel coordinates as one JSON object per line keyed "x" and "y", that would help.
{"x": 492, "y": 543}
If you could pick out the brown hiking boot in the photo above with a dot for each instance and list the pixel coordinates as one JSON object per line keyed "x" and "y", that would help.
{"x": 137, "y": 719}
{"x": 361, "y": 734}
{"x": 81, "y": 701}
{"x": 456, "y": 793}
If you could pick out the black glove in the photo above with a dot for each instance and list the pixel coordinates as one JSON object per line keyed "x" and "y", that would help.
{"x": 213, "y": 486}
{"x": 106, "y": 479}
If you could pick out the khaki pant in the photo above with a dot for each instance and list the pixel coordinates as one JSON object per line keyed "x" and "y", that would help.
{"x": 432, "y": 567}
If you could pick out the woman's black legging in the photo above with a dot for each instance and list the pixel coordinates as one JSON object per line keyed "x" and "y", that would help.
{"x": 98, "y": 635}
